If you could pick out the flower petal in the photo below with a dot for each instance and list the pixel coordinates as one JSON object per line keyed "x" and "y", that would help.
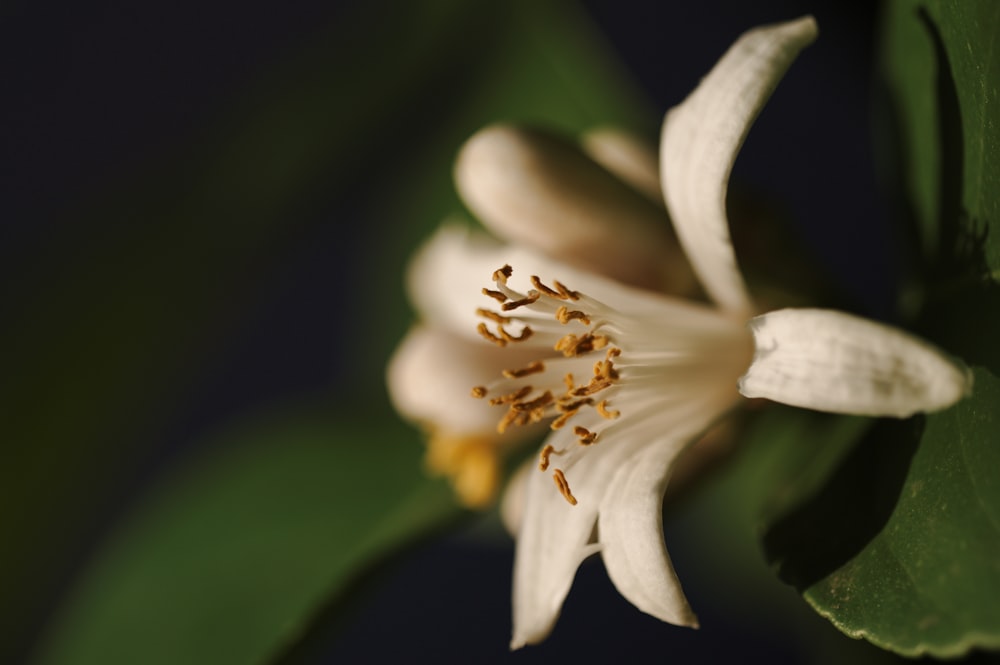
{"x": 543, "y": 192}
{"x": 631, "y": 529}
{"x": 555, "y": 536}
{"x": 699, "y": 143}
{"x": 831, "y": 361}
{"x": 554, "y": 539}
{"x": 448, "y": 273}
{"x": 431, "y": 374}
{"x": 628, "y": 157}
{"x": 631, "y": 513}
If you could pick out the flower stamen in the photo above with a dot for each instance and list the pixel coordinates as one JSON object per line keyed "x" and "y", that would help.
{"x": 533, "y": 368}
{"x": 545, "y": 316}
{"x": 496, "y": 295}
{"x": 565, "y": 315}
{"x": 605, "y": 412}
{"x": 586, "y": 436}
{"x": 563, "y": 486}
{"x": 501, "y": 275}
{"x": 572, "y": 345}
{"x": 529, "y": 299}
{"x": 493, "y": 316}
{"x": 511, "y": 397}
{"x": 526, "y": 332}
{"x": 485, "y": 332}
{"x": 567, "y": 294}
{"x": 544, "y": 399}
{"x": 540, "y": 285}
{"x": 547, "y": 452}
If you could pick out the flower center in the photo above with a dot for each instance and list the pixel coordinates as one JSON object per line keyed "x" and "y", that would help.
{"x": 605, "y": 372}
{"x": 550, "y": 388}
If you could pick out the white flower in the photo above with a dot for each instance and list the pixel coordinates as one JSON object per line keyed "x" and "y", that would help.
{"x": 628, "y": 377}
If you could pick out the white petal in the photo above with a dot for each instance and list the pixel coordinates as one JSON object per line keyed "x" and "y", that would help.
{"x": 431, "y": 374}
{"x": 446, "y": 276}
{"x": 543, "y": 192}
{"x": 831, "y": 361}
{"x": 631, "y": 532}
{"x": 631, "y": 520}
{"x": 699, "y": 143}
{"x": 553, "y": 540}
{"x": 555, "y": 537}
{"x": 628, "y": 157}
{"x": 448, "y": 273}
{"x": 514, "y": 497}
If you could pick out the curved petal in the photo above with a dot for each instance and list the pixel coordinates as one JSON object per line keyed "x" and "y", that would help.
{"x": 631, "y": 513}
{"x": 631, "y": 532}
{"x": 628, "y": 157}
{"x": 555, "y": 536}
{"x": 699, "y": 143}
{"x": 448, "y": 273}
{"x": 431, "y": 374}
{"x": 544, "y": 192}
{"x": 513, "y": 500}
{"x": 831, "y": 361}
{"x": 554, "y": 539}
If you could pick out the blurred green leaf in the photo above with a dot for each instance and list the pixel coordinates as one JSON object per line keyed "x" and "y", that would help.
{"x": 898, "y": 544}
{"x": 941, "y": 63}
{"x": 228, "y": 557}
{"x": 111, "y": 324}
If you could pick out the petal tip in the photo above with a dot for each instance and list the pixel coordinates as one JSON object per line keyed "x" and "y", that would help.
{"x": 840, "y": 363}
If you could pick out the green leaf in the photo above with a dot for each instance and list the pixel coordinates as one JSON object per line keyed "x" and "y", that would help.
{"x": 898, "y": 543}
{"x": 941, "y": 63}
{"x": 928, "y": 582}
{"x": 225, "y": 560}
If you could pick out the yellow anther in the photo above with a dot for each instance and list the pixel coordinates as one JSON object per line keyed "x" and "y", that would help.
{"x": 586, "y": 436}
{"x": 571, "y": 345}
{"x": 568, "y": 380}
{"x": 547, "y": 452}
{"x": 563, "y": 486}
{"x": 507, "y": 420}
{"x": 496, "y": 295}
{"x": 543, "y": 457}
{"x": 605, "y": 369}
{"x": 534, "y": 368}
{"x": 610, "y": 414}
{"x": 492, "y": 316}
{"x": 471, "y": 464}
{"x": 485, "y": 332}
{"x": 560, "y": 422}
{"x": 544, "y": 399}
{"x": 532, "y": 297}
{"x": 566, "y": 293}
{"x": 526, "y": 332}
{"x": 566, "y": 407}
{"x": 502, "y": 274}
{"x": 479, "y": 392}
{"x": 564, "y": 315}
{"x": 595, "y": 386}
{"x": 538, "y": 284}
{"x": 515, "y": 396}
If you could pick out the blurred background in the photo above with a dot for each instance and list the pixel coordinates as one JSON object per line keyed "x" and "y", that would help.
{"x": 207, "y": 211}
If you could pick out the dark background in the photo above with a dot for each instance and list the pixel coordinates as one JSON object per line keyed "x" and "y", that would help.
{"x": 101, "y": 95}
